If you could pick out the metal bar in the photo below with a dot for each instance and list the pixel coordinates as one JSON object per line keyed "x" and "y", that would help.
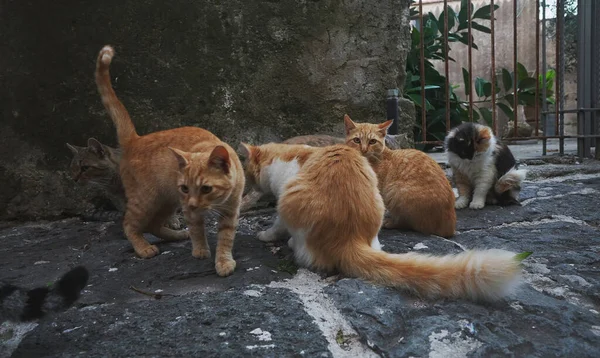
{"x": 391, "y": 106}
{"x": 470, "y": 56}
{"x": 544, "y": 71}
{"x": 516, "y": 70}
{"x": 493, "y": 54}
{"x": 575, "y": 110}
{"x": 422, "y": 62}
{"x": 595, "y": 78}
{"x": 560, "y": 41}
{"x": 589, "y": 136}
{"x": 446, "y": 65}
{"x": 582, "y": 20}
{"x": 537, "y": 67}
{"x": 557, "y": 67}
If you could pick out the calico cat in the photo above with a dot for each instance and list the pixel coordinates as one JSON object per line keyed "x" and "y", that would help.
{"x": 483, "y": 168}
{"x": 22, "y": 304}
{"x": 313, "y": 140}
{"x": 414, "y": 187}
{"x": 98, "y": 165}
{"x": 329, "y": 202}
{"x": 188, "y": 167}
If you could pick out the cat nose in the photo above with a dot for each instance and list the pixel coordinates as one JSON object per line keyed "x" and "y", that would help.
{"x": 193, "y": 204}
{"x": 363, "y": 148}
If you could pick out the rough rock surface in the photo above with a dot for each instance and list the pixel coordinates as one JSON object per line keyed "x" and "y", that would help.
{"x": 266, "y": 308}
{"x": 246, "y": 70}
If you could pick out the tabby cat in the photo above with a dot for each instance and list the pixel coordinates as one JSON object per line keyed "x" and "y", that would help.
{"x": 414, "y": 187}
{"x": 188, "y": 167}
{"x": 329, "y": 202}
{"x": 483, "y": 168}
{"x": 21, "y": 304}
{"x": 98, "y": 165}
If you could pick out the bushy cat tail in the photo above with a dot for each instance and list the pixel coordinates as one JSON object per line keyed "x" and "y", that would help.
{"x": 19, "y": 304}
{"x": 477, "y": 275}
{"x": 117, "y": 112}
{"x": 511, "y": 180}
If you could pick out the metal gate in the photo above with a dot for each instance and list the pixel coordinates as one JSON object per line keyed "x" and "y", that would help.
{"x": 541, "y": 92}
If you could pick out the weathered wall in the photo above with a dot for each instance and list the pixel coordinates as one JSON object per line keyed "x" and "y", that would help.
{"x": 246, "y": 70}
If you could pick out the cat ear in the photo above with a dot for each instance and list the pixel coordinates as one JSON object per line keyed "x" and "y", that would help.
{"x": 73, "y": 149}
{"x": 245, "y": 150}
{"x": 219, "y": 158}
{"x": 383, "y": 127}
{"x": 96, "y": 146}
{"x": 348, "y": 124}
{"x": 182, "y": 157}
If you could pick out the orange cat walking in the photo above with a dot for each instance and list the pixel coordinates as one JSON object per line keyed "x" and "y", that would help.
{"x": 188, "y": 167}
{"x": 329, "y": 202}
{"x": 415, "y": 189}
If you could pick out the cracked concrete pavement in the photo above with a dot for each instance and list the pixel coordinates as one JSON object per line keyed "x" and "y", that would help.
{"x": 267, "y": 308}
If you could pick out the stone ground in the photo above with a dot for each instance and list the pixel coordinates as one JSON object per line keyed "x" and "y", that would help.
{"x": 269, "y": 308}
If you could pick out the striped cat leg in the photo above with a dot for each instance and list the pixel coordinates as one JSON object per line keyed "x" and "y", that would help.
{"x": 224, "y": 263}
{"x": 135, "y": 222}
{"x": 200, "y": 248}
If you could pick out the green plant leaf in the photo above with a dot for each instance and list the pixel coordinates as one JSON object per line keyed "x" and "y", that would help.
{"x": 484, "y": 12}
{"x": 486, "y": 113}
{"x": 506, "y": 109}
{"x": 418, "y": 89}
{"x": 523, "y": 255}
{"x": 507, "y": 79}
{"x": 480, "y": 87}
{"x": 476, "y": 115}
{"x": 521, "y": 71}
{"x": 417, "y": 100}
{"x": 487, "y": 88}
{"x": 462, "y": 14}
{"x": 451, "y": 19}
{"x": 527, "y": 84}
{"x": 466, "y": 81}
{"x": 480, "y": 27}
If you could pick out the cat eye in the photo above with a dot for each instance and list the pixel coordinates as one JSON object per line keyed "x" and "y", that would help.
{"x": 372, "y": 141}
{"x": 205, "y": 189}
{"x": 184, "y": 189}
{"x": 356, "y": 140}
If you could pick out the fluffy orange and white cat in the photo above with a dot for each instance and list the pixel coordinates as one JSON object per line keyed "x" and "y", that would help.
{"x": 329, "y": 202}
{"x": 415, "y": 189}
{"x": 188, "y": 167}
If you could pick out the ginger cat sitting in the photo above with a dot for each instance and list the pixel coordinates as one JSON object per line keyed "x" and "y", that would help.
{"x": 415, "y": 189}
{"x": 328, "y": 200}
{"x": 188, "y": 167}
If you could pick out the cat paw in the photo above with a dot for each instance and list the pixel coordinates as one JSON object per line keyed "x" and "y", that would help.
{"x": 266, "y": 236}
{"x": 147, "y": 252}
{"x": 201, "y": 253}
{"x": 225, "y": 267}
{"x": 461, "y": 203}
{"x": 476, "y": 204}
